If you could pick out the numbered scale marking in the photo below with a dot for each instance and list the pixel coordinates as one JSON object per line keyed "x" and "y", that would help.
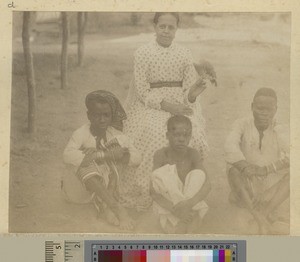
{"x": 64, "y": 251}
{"x": 89, "y": 251}
{"x": 164, "y": 246}
{"x": 231, "y": 247}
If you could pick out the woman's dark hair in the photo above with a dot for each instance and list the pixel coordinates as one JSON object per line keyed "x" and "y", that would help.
{"x": 159, "y": 14}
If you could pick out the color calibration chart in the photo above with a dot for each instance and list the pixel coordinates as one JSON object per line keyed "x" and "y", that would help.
{"x": 145, "y": 251}
{"x": 167, "y": 252}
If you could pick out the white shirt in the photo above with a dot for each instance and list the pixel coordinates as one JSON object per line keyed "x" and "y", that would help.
{"x": 82, "y": 138}
{"x": 243, "y": 143}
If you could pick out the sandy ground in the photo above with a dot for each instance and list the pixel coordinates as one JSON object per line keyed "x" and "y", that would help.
{"x": 248, "y": 52}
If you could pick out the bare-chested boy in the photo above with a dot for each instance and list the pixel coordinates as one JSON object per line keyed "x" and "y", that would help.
{"x": 179, "y": 184}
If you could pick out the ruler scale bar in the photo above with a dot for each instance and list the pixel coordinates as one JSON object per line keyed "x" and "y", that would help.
{"x": 99, "y": 251}
{"x": 156, "y": 250}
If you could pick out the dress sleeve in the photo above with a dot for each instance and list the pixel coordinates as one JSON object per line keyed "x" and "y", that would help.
{"x": 189, "y": 76}
{"x": 141, "y": 81}
{"x": 72, "y": 153}
{"x": 233, "y": 152}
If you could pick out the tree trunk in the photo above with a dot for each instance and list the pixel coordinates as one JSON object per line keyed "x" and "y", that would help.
{"x": 64, "y": 50}
{"x": 81, "y": 26}
{"x": 29, "y": 72}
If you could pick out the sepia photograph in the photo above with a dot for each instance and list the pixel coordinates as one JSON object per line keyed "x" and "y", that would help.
{"x": 150, "y": 123}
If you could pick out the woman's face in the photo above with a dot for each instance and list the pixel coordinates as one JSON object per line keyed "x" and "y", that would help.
{"x": 165, "y": 29}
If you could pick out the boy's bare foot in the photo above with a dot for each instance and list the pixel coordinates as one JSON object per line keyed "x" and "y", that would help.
{"x": 169, "y": 228}
{"x": 181, "y": 227}
{"x": 195, "y": 224}
{"x": 263, "y": 230}
{"x": 111, "y": 217}
{"x": 183, "y": 224}
{"x": 263, "y": 225}
{"x": 126, "y": 222}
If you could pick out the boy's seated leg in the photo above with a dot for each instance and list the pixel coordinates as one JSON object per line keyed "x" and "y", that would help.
{"x": 241, "y": 188}
{"x": 167, "y": 221}
{"x": 181, "y": 227}
{"x": 274, "y": 197}
{"x": 272, "y": 200}
{"x": 241, "y": 193}
{"x": 194, "y": 181}
{"x": 77, "y": 192}
{"x": 190, "y": 224}
{"x": 72, "y": 188}
{"x": 95, "y": 184}
{"x": 195, "y": 223}
{"x": 105, "y": 212}
{"x": 112, "y": 187}
{"x": 96, "y": 180}
{"x": 187, "y": 222}
{"x": 168, "y": 228}
{"x": 113, "y": 212}
{"x": 170, "y": 223}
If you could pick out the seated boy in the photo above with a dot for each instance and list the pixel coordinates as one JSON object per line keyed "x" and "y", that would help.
{"x": 258, "y": 161}
{"x": 101, "y": 153}
{"x": 179, "y": 184}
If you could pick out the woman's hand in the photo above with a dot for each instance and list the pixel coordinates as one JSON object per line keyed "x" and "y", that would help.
{"x": 176, "y": 109}
{"x": 197, "y": 88}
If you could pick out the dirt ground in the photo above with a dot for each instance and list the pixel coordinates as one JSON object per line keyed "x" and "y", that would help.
{"x": 248, "y": 51}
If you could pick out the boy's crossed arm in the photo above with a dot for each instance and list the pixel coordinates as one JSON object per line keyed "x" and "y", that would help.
{"x": 159, "y": 161}
{"x": 92, "y": 154}
{"x": 187, "y": 205}
{"x": 183, "y": 208}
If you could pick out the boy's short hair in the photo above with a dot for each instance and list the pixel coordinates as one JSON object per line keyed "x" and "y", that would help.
{"x": 265, "y": 91}
{"x": 178, "y": 119}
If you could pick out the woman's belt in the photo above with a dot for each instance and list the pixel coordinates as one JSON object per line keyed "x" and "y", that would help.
{"x": 166, "y": 84}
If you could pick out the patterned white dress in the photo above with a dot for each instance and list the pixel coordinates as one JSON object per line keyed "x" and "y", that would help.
{"x": 146, "y": 122}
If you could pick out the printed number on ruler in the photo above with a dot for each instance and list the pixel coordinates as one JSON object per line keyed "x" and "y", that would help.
{"x": 54, "y": 251}
{"x": 65, "y": 251}
{"x": 73, "y": 251}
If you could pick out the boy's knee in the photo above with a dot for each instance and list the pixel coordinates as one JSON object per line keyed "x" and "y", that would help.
{"x": 234, "y": 174}
{"x": 198, "y": 174}
{"x": 94, "y": 183}
{"x": 235, "y": 179}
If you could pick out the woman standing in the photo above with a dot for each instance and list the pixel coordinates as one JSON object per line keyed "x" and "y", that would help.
{"x": 164, "y": 84}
